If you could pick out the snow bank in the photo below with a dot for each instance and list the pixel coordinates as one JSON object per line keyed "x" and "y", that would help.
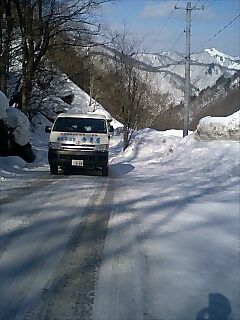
{"x": 219, "y": 128}
{"x": 11, "y": 165}
{"x": 18, "y": 122}
{"x": 15, "y": 120}
{"x": 40, "y": 138}
{"x": 151, "y": 148}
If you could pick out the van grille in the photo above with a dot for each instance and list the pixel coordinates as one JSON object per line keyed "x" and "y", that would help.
{"x": 73, "y": 147}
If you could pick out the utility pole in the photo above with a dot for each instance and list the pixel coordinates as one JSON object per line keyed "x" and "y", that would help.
{"x": 188, "y": 9}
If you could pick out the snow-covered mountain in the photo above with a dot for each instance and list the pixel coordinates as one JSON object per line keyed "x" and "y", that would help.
{"x": 207, "y": 56}
{"x": 167, "y": 70}
{"x": 166, "y": 74}
{"x": 213, "y": 55}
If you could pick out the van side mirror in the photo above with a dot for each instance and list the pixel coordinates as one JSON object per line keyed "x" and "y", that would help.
{"x": 48, "y": 129}
{"x": 111, "y": 129}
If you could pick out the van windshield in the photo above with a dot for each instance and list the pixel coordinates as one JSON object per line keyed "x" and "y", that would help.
{"x": 83, "y": 125}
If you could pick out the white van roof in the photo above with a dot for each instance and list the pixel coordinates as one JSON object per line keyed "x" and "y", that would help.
{"x": 81, "y": 115}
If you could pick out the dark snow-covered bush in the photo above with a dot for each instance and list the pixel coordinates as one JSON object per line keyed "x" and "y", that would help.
{"x": 14, "y": 132}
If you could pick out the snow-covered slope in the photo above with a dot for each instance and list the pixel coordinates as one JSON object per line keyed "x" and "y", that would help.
{"x": 62, "y": 89}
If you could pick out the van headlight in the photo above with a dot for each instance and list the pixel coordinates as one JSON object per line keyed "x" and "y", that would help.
{"x": 101, "y": 147}
{"x": 55, "y": 145}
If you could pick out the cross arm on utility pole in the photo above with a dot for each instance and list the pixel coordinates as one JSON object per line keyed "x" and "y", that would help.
{"x": 189, "y": 7}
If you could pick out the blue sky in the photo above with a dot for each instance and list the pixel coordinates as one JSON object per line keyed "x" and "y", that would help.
{"x": 151, "y": 21}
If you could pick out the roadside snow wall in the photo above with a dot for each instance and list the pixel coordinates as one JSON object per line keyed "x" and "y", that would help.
{"x": 18, "y": 122}
{"x": 219, "y": 128}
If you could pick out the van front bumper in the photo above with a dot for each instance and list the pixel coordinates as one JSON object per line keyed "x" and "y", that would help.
{"x": 91, "y": 159}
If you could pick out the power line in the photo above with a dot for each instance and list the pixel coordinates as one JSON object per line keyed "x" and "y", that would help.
{"x": 211, "y": 3}
{"x": 179, "y": 35}
{"x": 206, "y": 7}
{"x": 204, "y": 2}
{"x": 217, "y": 33}
{"x": 197, "y": 3}
{"x": 203, "y": 6}
{"x": 165, "y": 24}
{"x": 177, "y": 39}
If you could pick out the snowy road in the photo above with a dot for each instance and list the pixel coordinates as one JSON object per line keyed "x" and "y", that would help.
{"x": 56, "y": 233}
{"x": 156, "y": 240}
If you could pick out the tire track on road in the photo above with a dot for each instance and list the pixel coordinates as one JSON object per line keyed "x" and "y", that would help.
{"x": 28, "y": 189}
{"x": 71, "y": 294}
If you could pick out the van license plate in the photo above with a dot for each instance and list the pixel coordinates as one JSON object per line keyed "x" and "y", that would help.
{"x": 78, "y": 163}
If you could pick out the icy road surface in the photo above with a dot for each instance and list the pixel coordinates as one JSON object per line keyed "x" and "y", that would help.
{"x": 156, "y": 240}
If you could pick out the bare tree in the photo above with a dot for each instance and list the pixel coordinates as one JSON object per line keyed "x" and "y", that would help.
{"x": 41, "y": 23}
{"x": 130, "y": 85}
{"x": 6, "y": 37}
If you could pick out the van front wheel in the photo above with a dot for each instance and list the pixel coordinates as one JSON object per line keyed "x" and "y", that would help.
{"x": 105, "y": 171}
{"x": 53, "y": 169}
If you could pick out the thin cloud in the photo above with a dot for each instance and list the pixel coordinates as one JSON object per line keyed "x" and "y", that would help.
{"x": 163, "y": 9}
{"x": 156, "y": 10}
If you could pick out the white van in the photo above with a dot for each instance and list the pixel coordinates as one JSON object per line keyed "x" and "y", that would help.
{"x": 79, "y": 141}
